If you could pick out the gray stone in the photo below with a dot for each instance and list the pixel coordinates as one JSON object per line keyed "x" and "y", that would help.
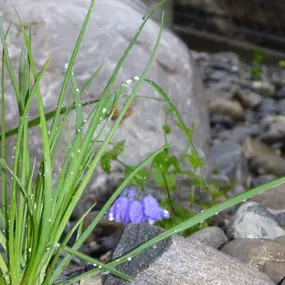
{"x": 210, "y": 236}
{"x": 280, "y": 94}
{"x": 266, "y": 255}
{"x": 227, "y": 159}
{"x": 274, "y": 130}
{"x": 248, "y": 99}
{"x": 253, "y": 220}
{"x": 268, "y": 107}
{"x": 55, "y": 29}
{"x": 272, "y": 199}
{"x": 268, "y": 164}
{"x": 227, "y": 107}
{"x": 177, "y": 261}
{"x": 240, "y": 133}
{"x": 256, "y": 148}
{"x": 260, "y": 180}
{"x": 264, "y": 88}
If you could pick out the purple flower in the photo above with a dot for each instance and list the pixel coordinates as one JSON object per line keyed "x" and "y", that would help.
{"x": 152, "y": 209}
{"x": 119, "y": 211}
{"x": 137, "y": 215}
{"x": 132, "y": 208}
{"x": 131, "y": 193}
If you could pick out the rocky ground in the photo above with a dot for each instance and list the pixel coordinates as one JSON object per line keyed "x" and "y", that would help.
{"x": 247, "y": 119}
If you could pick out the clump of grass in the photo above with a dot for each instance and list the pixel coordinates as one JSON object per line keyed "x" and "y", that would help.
{"x": 37, "y": 211}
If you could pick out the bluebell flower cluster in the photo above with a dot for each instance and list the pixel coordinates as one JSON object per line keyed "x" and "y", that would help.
{"x": 133, "y": 208}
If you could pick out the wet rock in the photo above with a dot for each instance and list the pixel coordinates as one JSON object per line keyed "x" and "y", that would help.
{"x": 273, "y": 199}
{"x": 255, "y": 148}
{"x": 264, "y": 88}
{"x": 268, "y": 107}
{"x": 253, "y": 220}
{"x": 226, "y": 158}
{"x": 210, "y": 236}
{"x": 226, "y": 107}
{"x": 268, "y": 165}
{"x": 178, "y": 261}
{"x": 248, "y": 99}
{"x": 266, "y": 255}
{"x": 106, "y": 38}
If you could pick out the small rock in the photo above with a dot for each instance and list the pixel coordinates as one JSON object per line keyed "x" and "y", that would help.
{"x": 264, "y": 88}
{"x": 273, "y": 199}
{"x": 266, "y": 255}
{"x": 221, "y": 122}
{"x": 216, "y": 75}
{"x": 253, "y": 220}
{"x": 268, "y": 165}
{"x": 248, "y": 99}
{"x": 255, "y": 148}
{"x": 227, "y": 107}
{"x": 260, "y": 180}
{"x": 281, "y": 107}
{"x": 240, "y": 133}
{"x": 268, "y": 107}
{"x": 274, "y": 129}
{"x": 210, "y": 236}
{"x": 177, "y": 261}
{"x": 227, "y": 159}
{"x": 280, "y": 94}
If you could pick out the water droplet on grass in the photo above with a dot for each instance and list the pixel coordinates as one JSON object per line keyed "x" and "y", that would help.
{"x": 129, "y": 258}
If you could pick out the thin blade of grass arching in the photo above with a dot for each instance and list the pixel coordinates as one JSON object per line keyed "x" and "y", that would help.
{"x": 200, "y": 218}
{"x": 24, "y": 86}
{"x": 3, "y": 212}
{"x": 181, "y": 124}
{"x": 10, "y": 69}
{"x": 90, "y": 228}
{"x": 100, "y": 152}
{"x": 13, "y": 202}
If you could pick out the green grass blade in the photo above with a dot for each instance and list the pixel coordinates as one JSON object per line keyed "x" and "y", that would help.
{"x": 108, "y": 204}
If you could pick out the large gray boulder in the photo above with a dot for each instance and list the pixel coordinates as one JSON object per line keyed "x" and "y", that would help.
{"x": 56, "y": 25}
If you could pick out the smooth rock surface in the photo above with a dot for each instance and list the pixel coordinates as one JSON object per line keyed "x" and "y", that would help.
{"x": 268, "y": 164}
{"x": 253, "y": 220}
{"x": 273, "y": 199}
{"x": 210, "y": 236}
{"x": 226, "y": 158}
{"x": 181, "y": 262}
{"x": 55, "y": 28}
{"x": 266, "y": 255}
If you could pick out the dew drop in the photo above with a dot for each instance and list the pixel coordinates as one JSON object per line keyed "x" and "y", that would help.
{"x": 77, "y": 90}
{"x": 104, "y": 110}
{"x": 66, "y": 65}
{"x": 100, "y": 266}
{"x": 129, "y": 258}
{"x": 137, "y": 78}
{"x": 129, "y": 81}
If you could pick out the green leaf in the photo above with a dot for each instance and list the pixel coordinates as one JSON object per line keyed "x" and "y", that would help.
{"x": 140, "y": 179}
{"x": 193, "y": 160}
{"x": 106, "y": 164}
{"x": 161, "y": 162}
{"x": 166, "y": 128}
{"x": 165, "y": 180}
{"x": 116, "y": 150}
